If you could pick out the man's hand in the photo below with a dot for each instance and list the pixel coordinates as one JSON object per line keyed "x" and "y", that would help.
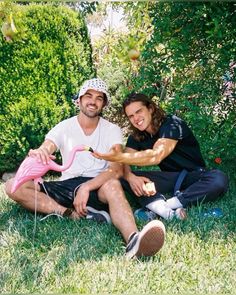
{"x": 81, "y": 199}
{"x": 162, "y": 148}
{"x": 139, "y": 185}
{"x": 114, "y": 155}
{"x": 42, "y": 154}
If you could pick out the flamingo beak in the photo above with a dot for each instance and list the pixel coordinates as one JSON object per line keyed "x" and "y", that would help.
{"x": 89, "y": 149}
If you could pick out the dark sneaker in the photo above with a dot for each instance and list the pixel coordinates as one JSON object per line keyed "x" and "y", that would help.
{"x": 98, "y": 215}
{"x": 145, "y": 214}
{"x": 147, "y": 242}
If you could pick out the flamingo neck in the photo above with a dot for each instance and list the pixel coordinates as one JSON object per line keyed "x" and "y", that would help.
{"x": 71, "y": 157}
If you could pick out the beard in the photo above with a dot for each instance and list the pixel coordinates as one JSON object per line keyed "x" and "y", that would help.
{"x": 88, "y": 113}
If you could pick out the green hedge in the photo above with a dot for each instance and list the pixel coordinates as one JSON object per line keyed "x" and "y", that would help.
{"x": 40, "y": 71}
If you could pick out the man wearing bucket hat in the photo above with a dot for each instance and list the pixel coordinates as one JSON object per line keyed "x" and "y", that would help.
{"x": 90, "y": 188}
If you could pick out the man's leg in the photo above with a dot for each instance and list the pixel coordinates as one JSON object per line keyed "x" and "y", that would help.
{"x": 205, "y": 186}
{"x": 149, "y": 240}
{"x": 32, "y": 199}
{"x": 120, "y": 211}
{"x": 164, "y": 183}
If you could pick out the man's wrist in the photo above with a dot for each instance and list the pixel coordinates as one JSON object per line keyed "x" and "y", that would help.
{"x": 128, "y": 176}
{"x": 45, "y": 149}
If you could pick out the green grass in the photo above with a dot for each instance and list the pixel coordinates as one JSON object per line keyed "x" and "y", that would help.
{"x": 65, "y": 256}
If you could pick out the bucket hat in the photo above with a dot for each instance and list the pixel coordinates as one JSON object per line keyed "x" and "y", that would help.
{"x": 94, "y": 84}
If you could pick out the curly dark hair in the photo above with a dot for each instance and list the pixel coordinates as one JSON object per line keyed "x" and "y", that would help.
{"x": 158, "y": 114}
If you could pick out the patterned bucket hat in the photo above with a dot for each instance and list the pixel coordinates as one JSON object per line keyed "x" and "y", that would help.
{"x": 94, "y": 84}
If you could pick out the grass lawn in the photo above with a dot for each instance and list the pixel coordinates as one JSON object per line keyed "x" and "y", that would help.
{"x": 65, "y": 256}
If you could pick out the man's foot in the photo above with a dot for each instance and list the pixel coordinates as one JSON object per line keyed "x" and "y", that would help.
{"x": 180, "y": 213}
{"x": 99, "y": 216}
{"x": 69, "y": 212}
{"x": 145, "y": 214}
{"x": 174, "y": 202}
{"x": 147, "y": 242}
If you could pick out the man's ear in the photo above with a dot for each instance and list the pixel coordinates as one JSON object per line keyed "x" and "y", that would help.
{"x": 78, "y": 102}
{"x": 151, "y": 109}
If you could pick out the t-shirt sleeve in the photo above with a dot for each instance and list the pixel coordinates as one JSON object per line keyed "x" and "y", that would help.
{"x": 174, "y": 128}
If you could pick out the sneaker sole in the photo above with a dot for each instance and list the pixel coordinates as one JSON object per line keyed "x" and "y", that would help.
{"x": 104, "y": 213}
{"x": 151, "y": 240}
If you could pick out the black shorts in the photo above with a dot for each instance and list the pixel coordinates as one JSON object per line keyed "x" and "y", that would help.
{"x": 64, "y": 192}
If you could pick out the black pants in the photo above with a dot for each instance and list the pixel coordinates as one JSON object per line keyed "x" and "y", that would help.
{"x": 197, "y": 186}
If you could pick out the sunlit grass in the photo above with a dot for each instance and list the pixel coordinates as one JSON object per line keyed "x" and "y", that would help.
{"x": 64, "y": 256}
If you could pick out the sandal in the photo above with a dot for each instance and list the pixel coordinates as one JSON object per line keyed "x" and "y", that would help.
{"x": 68, "y": 212}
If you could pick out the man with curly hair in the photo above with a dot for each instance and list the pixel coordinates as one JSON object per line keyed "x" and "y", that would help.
{"x": 168, "y": 142}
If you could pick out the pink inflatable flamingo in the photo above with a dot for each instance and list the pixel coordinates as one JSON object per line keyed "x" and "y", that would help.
{"x": 31, "y": 169}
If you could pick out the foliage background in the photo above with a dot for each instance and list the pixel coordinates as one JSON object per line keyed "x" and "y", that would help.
{"x": 187, "y": 64}
{"x": 40, "y": 71}
{"x": 190, "y": 51}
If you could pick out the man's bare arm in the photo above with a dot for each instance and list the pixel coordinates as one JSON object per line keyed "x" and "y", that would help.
{"x": 161, "y": 149}
{"x": 44, "y": 152}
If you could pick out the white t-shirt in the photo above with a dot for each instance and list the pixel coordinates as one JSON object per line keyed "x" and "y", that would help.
{"x": 68, "y": 134}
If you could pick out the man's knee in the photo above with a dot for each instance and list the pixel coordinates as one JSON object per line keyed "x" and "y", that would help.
{"x": 21, "y": 192}
{"x": 220, "y": 182}
{"x": 8, "y": 186}
{"x": 111, "y": 184}
{"x": 111, "y": 190}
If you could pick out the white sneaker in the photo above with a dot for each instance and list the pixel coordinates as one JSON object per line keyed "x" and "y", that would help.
{"x": 174, "y": 203}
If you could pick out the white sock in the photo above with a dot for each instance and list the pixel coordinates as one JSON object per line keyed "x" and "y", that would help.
{"x": 174, "y": 203}
{"x": 161, "y": 208}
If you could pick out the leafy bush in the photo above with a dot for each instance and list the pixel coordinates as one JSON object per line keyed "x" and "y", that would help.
{"x": 191, "y": 49}
{"x": 40, "y": 71}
